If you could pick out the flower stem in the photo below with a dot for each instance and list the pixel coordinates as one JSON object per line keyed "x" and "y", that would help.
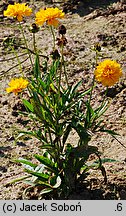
{"x": 91, "y": 89}
{"x": 53, "y": 35}
{"x": 93, "y": 81}
{"x": 59, "y": 84}
{"x": 18, "y": 60}
{"x": 63, "y": 64}
{"x": 34, "y": 43}
{"x": 106, "y": 91}
{"x": 25, "y": 41}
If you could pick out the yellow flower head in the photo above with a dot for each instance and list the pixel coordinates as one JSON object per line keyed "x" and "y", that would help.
{"x": 50, "y": 15}
{"x": 17, "y": 85}
{"x": 18, "y": 11}
{"x": 108, "y": 72}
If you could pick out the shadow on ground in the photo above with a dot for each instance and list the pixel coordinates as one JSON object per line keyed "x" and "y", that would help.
{"x": 84, "y": 7}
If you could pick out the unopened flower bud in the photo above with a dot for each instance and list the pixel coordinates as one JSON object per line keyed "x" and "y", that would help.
{"x": 55, "y": 54}
{"x": 62, "y": 29}
{"x": 34, "y": 28}
{"x": 97, "y": 47}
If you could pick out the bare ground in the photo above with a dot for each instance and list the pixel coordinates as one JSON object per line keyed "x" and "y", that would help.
{"x": 86, "y": 25}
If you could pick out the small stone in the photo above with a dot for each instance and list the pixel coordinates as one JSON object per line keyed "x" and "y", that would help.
{"x": 122, "y": 48}
{"x": 14, "y": 113}
{"x": 5, "y": 102}
{"x": 11, "y": 138}
{"x": 3, "y": 169}
{"x": 122, "y": 194}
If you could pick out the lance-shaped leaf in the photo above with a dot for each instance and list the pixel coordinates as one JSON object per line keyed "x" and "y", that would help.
{"x": 36, "y": 67}
{"x": 66, "y": 133}
{"x": 27, "y": 162}
{"x": 41, "y": 176}
{"x": 47, "y": 162}
{"x": 28, "y": 105}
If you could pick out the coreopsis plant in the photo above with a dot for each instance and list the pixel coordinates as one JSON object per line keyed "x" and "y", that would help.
{"x": 55, "y": 110}
{"x": 108, "y": 72}
{"x": 17, "y": 85}
{"x": 18, "y": 11}
{"x": 50, "y": 16}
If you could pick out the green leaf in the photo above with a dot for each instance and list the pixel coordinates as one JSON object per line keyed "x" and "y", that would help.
{"x": 104, "y": 160}
{"x": 47, "y": 146}
{"x": 39, "y": 169}
{"x": 53, "y": 70}
{"x": 82, "y": 94}
{"x": 20, "y": 135}
{"x": 28, "y": 105}
{"x": 89, "y": 115}
{"x": 42, "y": 84}
{"x": 85, "y": 168}
{"x": 102, "y": 109}
{"x": 29, "y": 182}
{"x": 17, "y": 180}
{"x": 66, "y": 133}
{"x": 47, "y": 162}
{"x": 111, "y": 132}
{"x": 45, "y": 191}
{"x": 32, "y": 134}
{"x": 82, "y": 132}
{"x": 36, "y": 67}
{"x": 27, "y": 162}
{"x": 58, "y": 182}
{"x": 76, "y": 87}
{"x": 41, "y": 176}
{"x": 97, "y": 125}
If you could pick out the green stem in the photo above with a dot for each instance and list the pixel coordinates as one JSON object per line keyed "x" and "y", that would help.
{"x": 18, "y": 60}
{"x": 92, "y": 87}
{"x": 96, "y": 58}
{"x": 34, "y": 43}
{"x": 60, "y": 73}
{"x": 50, "y": 136}
{"x": 25, "y": 41}
{"x": 53, "y": 35}
{"x": 93, "y": 81}
{"x": 63, "y": 64}
{"x": 106, "y": 91}
{"x": 35, "y": 49}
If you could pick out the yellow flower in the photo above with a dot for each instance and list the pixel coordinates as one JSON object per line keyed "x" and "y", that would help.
{"x": 108, "y": 72}
{"x": 17, "y": 85}
{"x": 50, "y": 15}
{"x": 18, "y": 11}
